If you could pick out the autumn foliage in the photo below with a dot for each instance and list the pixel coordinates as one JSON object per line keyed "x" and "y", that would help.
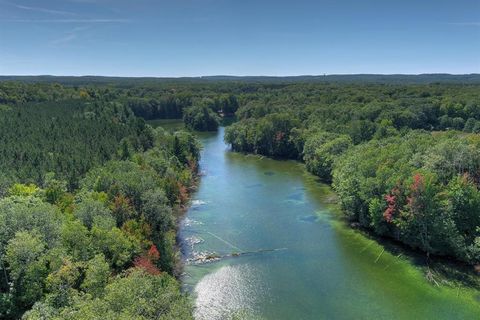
{"x": 153, "y": 253}
{"x": 148, "y": 261}
{"x": 416, "y": 189}
{"x": 122, "y": 208}
{"x": 393, "y": 200}
{"x": 388, "y": 214}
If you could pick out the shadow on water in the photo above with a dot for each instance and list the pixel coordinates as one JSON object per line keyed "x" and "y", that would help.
{"x": 226, "y": 121}
{"x": 170, "y": 125}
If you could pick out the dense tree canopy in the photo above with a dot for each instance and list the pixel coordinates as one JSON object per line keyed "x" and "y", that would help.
{"x": 419, "y": 188}
{"x": 66, "y": 138}
{"x": 88, "y": 203}
{"x": 201, "y": 118}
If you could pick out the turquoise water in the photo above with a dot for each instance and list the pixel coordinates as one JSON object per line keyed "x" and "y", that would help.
{"x": 313, "y": 266}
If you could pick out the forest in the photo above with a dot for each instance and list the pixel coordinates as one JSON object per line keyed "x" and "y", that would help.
{"x": 90, "y": 194}
{"x": 89, "y": 199}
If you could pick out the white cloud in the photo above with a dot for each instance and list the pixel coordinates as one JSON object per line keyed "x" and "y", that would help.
{"x": 69, "y": 36}
{"x": 66, "y": 39}
{"x": 67, "y": 20}
{"x": 40, "y": 9}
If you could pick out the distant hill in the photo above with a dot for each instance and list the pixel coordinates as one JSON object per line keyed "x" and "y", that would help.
{"x": 365, "y": 78}
{"x": 375, "y": 78}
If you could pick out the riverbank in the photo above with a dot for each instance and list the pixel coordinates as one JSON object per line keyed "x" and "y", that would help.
{"x": 437, "y": 270}
{"x": 327, "y": 269}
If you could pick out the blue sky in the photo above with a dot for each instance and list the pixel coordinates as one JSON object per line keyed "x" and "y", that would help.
{"x": 238, "y": 37}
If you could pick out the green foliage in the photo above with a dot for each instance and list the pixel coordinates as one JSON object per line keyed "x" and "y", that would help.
{"x": 62, "y": 282}
{"x": 321, "y": 150}
{"x": 24, "y": 190}
{"x": 136, "y": 295}
{"x": 65, "y": 137}
{"x": 121, "y": 178}
{"x": 62, "y": 246}
{"x": 168, "y": 106}
{"x": 270, "y": 135}
{"x": 89, "y": 210}
{"x": 76, "y": 240}
{"x": 97, "y": 274}
{"x": 54, "y": 189}
{"x": 200, "y": 118}
{"x": 27, "y": 269}
{"x": 418, "y": 189}
{"x": 117, "y": 247}
{"x": 28, "y": 214}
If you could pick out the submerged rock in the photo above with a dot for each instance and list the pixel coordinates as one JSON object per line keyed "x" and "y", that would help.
{"x": 191, "y": 241}
{"x": 310, "y": 218}
{"x": 198, "y": 202}
{"x": 187, "y": 222}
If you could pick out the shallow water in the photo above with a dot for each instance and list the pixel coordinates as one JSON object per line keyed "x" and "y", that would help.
{"x": 320, "y": 268}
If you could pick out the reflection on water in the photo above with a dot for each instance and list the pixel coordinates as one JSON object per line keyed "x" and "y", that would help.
{"x": 227, "y": 291}
{"x": 259, "y": 240}
{"x": 196, "y": 203}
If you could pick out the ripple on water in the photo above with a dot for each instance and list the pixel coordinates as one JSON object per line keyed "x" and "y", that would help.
{"x": 187, "y": 222}
{"x": 193, "y": 240}
{"x": 197, "y": 203}
{"x": 227, "y": 291}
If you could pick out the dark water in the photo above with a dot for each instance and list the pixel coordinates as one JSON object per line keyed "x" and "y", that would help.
{"x": 167, "y": 124}
{"x": 318, "y": 269}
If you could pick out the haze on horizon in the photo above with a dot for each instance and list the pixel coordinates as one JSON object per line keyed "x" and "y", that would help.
{"x": 227, "y": 37}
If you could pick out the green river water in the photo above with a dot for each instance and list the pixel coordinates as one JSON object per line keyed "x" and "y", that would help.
{"x": 321, "y": 268}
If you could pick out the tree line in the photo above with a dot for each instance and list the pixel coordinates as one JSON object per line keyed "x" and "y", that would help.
{"x": 403, "y": 159}
{"x": 148, "y": 101}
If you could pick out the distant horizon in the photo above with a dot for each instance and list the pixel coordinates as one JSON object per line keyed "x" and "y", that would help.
{"x": 240, "y": 76}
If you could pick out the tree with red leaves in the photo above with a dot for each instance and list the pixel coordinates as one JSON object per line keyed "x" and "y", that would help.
{"x": 394, "y": 204}
{"x": 147, "y": 265}
{"x": 388, "y": 214}
{"x": 148, "y": 261}
{"x": 417, "y": 189}
{"x": 421, "y": 213}
{"x": 153, "y": 253}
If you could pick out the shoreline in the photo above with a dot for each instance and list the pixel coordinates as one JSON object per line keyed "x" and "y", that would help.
{"x": 447, "y": 268}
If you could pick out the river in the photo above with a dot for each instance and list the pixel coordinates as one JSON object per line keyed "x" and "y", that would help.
{"x": 319, "y": 267}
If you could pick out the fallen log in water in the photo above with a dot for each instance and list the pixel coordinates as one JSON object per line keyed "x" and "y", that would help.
{"x": 212, "y": 256}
